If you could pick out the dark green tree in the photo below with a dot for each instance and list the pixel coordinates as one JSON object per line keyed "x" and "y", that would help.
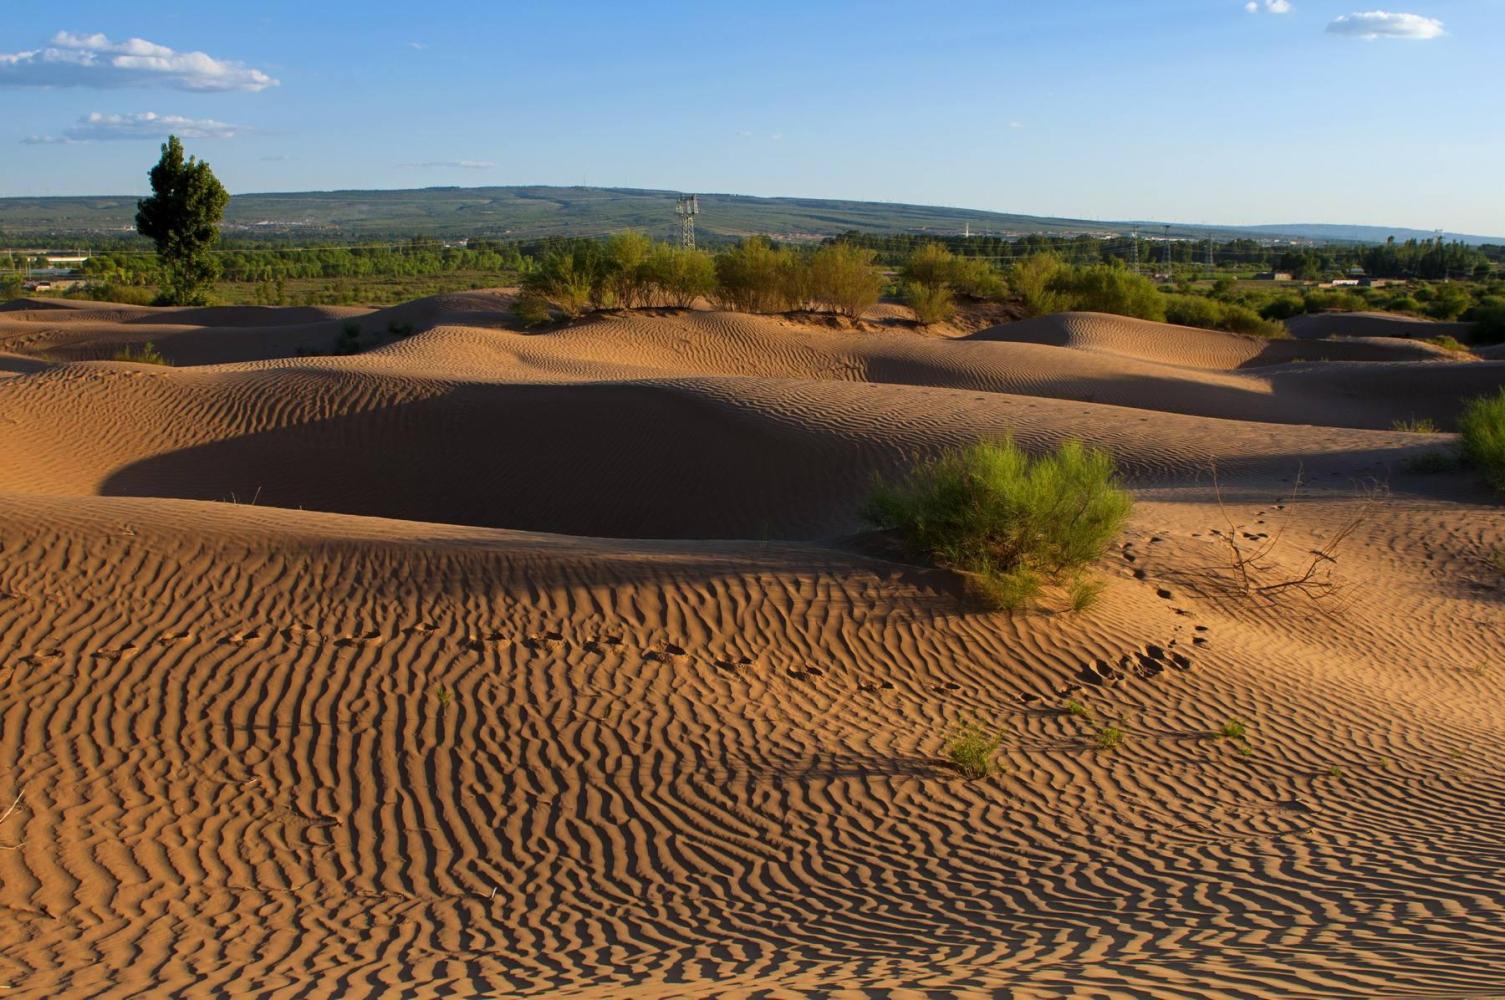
{"x": 182, "y": 217}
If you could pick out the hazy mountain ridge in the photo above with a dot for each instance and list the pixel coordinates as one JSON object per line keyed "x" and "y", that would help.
{"x": 536, "y": 211}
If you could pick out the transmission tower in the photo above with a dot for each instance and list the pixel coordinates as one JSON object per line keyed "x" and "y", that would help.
{"x": 1209, "y": 253}
{"x": 1167, "y": 251}
{"x": 687, "y": 208}
{"x": 1134, "y": 250}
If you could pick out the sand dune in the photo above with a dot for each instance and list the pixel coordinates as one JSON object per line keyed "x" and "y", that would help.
{"x": 402, "y": 741}
{"x": 1374, "y": 324}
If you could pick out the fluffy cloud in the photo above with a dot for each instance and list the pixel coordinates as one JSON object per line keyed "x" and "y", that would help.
{"x": 144, "y": 125}
{"x": 1273, "y": 6}
{"x": 71, "y": 60}
{"x": 454, "y": 164}
{"x": 1373, "y": 24}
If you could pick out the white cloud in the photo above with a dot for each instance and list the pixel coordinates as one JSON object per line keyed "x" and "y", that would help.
{"x": 71, "y": 60}
{"x": 1016, "y": 124}
{"x": 1373, "y": 24}
{"x": 1273, "y": 6}
{"x": 454, "y": 164}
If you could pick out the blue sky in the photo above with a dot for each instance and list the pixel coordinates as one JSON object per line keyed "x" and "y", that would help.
{"x": 1185, "y": 110}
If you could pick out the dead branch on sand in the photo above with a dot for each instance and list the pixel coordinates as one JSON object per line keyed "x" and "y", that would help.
{"x": 6, "y": 816}
{"x": 1258, "y": 575}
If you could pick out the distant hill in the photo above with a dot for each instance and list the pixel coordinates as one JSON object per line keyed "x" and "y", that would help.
{"x": 531, "y": 212}
{"x": 1325, "y": 233}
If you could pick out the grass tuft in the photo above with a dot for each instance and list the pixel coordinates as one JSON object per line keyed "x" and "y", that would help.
{"x": 1110, "y": 738}
{"x": 1482, "y": 425}
{"x": 143, "y": 354}
{"x": 1415, "y": 425}
{"x": 971, "y": 748}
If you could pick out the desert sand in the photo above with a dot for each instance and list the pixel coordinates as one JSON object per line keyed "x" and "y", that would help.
{"x": 492, "y": 662}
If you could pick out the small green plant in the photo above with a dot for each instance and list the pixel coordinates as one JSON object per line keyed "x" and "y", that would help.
{"x": 1076, "y": 709}
{"x": 442, "y": 694}
{"x": 1110, "y": 738}
{"x": 1415, "y": 425}
{"x": 349, "y": 341}
{"x": 931, "y": 303}
{"x": 1449, "y": 344}
{"x": 1233, "y": 730}
{"x": 1007, "y": 522}
{"x": 1085, "y": 593}
{"x": 1482, "y": 425}
{"x": 1496, "y": 560}
{"x": 141, "y": 354}
{"x": 1335, "y": 771}
{"x": 971, "y": 748}
{"x": 1430, "y": 462}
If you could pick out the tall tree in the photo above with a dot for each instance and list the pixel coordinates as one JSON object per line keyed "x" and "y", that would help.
{"x": 182, "y": 217}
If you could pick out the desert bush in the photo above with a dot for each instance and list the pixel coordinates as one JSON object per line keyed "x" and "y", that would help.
{"x": 971, "y": 748}
{"x": 1084, "y": 593}
{"x": 1448, "y": 343}
{"x": 753, "y": 276}
{"x": 1488, "y": 317}
{"x": 1414, "y": 425}
{"x": 1212, "y": 314}
{"x": 141, "y": 354}
{"x": 931, "y": 303}
{"x": 1008, "y": 521}
{"x": 571, "y": 279}
{"x": 111, "y": 291}
{"x": 930, "y": 266}
{"x": 844, "y": 279}
{"x": 1333, "y": 300}
{"x": 1032, "y": 280}
{"x": 1482, "y": 425}
{"x": 1110, "y": 289}
{"x": 532, "y": 309}
{"x": 1449, "y": 302}
{"x": 977, "y": 279}
{"x": 677, "y": 276}
{"x": 625, "y": 274}
{"x": 1283, "y": 307}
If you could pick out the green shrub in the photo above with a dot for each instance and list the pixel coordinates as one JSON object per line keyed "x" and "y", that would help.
{"x": 977, "y": 279}
{"x": 625, "y": 277}
{"x": 931, "y": 303}
{"x": 1009, "y": 521}
{"x": 1085, "y": 593}
{"x": 1482, "y": 425}
{"x": 1450, "y": 302}
{"x": 1110, "y": 289}
{"x": 1193, "y": 310}
{"x": 1488, "y": 317}
{"x": 570, "y": 279}
{"x": 1033, "y": 279}
{"x": 677, "y": 276}
{"x": 141, "y": 354}
{"x": 531, "y": 309}
{"x": 1283, "y": 307}
{"x": 1415, "y": 425}
{"x": 971, "y": 748}
{"x": 752, "y": 277}
{"x": 844, "y": 279}
{"x": 1448, "y": 343}
{"x": 111, "y": 291}
{"x": 1333, "y": 300}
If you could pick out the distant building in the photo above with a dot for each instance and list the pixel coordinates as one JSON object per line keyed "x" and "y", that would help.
{"x": 1275, "y": 276}
{"x": 66, "y": 260}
